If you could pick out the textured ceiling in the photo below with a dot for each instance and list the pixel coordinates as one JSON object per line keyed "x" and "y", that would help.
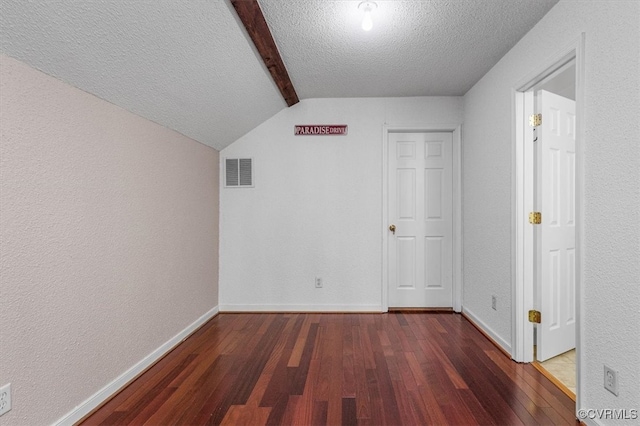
{"x": 416, "y": 47}
{"x": 184, "y": 64}
{"x": 189, "y": 66}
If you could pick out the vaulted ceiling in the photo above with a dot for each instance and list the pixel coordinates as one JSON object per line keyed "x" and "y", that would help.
{"x": 190, "y": 66}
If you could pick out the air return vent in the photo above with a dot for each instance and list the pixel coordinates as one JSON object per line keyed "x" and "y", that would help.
{"x": 238, "y": 173}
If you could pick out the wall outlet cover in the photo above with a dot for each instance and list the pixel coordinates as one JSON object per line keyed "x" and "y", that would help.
{"x": 5, "y": 398}
{"x": 611, "y": 380}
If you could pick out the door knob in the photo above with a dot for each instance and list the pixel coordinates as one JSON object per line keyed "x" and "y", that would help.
{"x": 392, "y": 228}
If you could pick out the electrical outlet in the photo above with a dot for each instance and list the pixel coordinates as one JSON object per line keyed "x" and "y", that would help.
{"x": 5, "y": 398}
{"x": 494, "y": 302}
{"x": 611, "y": 380}
{"x": 318, "y": 282}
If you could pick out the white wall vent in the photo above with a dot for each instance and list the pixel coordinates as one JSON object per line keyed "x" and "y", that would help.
{"x": 238, "y": 173}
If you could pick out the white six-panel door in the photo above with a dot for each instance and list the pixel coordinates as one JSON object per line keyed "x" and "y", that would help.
{"x": 421, "y": 209}
{"x": 556, "y": 235}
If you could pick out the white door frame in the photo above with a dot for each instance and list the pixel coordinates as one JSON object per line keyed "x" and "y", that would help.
{"x": 456, "y": 130}
{"x": 523, "y": 196}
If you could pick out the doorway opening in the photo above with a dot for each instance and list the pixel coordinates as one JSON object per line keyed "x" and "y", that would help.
{"x": 548, "y": 180}
{"x": 554, "y": 238}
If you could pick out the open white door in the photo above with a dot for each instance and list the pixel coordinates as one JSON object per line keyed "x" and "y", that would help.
{"x": 420, "y": 210}
{"x": 556, "y": 147}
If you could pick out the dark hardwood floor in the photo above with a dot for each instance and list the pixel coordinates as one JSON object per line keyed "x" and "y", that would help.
{"x": 338, "y": 369}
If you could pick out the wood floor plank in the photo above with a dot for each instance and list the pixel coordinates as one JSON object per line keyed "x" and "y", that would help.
{"x": 278, "y": 410}
{"x": 281, "y": 377}
{"x": 363, "y": 400}
{"x": 383, "y": 378}
{"x": 302, "y": 371}
{"x": 208, "y": 394}
{"x": 306, "y": 409}
{"x": 140, "y": 417}
{"x": 486, "y": 387}
{"x": 296, "y": 353}
{"x": 349, "y": 414}
{"x": 527, "y": 396}
{"x": 433, "y": 410}
{"x": 478, "y": 411}
{"x": 156, "y": 396}
{"x": 335, "y": 346}
{"x": 243, "y": 415}
{"x": 291, "y": 409}
{"x": 408, "y": 415}
{"x": 506, "y": 387}
{"x": 319, "y": 413}
{"x": 410, "y": 368}
{"x": 194, "y": 392}
{"x": 376, "y": 407}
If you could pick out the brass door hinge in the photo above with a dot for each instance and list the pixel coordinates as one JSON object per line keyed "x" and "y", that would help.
{"x": 535, "y": 120}
{"x": 534, "y": 316}
{"x": 535, "y": 218}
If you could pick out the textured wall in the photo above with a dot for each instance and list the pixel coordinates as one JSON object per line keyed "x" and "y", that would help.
{"x": 108, "y": 240}
{"x": 611, "y": 199}
{"x": 316, "y": 209}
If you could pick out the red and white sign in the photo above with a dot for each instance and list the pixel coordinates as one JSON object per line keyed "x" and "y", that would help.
{"x": 320, "y": 129}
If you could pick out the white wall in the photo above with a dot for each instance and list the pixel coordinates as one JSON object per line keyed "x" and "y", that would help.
{"x": 611, "y": 200}
{"x": 108, "y": 241}
{"x": 316, "y": 209}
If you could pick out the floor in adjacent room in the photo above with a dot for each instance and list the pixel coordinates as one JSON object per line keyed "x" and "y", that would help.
{"x": 563, "y": 368}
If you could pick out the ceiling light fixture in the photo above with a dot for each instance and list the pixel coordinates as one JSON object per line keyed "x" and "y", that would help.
{"x": 367, "y": 7}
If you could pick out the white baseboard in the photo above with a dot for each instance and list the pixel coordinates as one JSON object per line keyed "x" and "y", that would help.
{"x": 301, "y": 308}
{"x": 490, "y": 332}
{"x": 125, "y": 378}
